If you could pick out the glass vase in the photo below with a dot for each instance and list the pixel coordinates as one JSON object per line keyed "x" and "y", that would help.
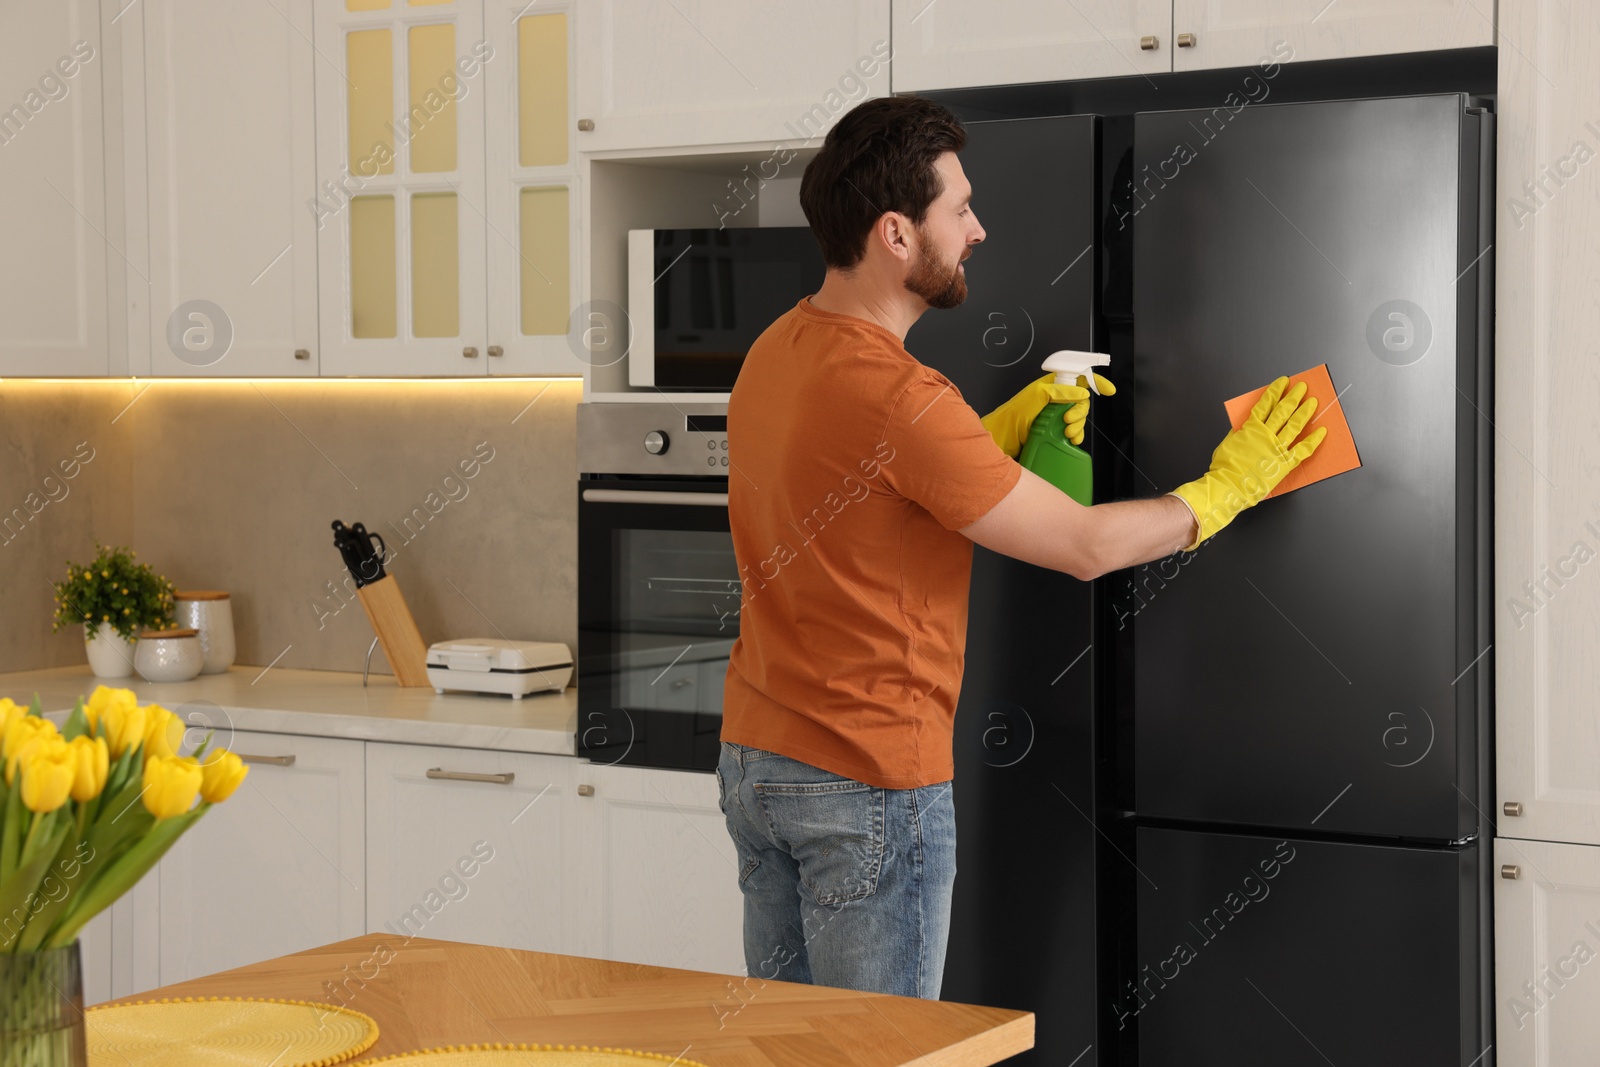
{"x": 41, "y": 1009}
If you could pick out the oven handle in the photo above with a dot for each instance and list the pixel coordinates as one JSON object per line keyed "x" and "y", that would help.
{"x": 654, "y": 496}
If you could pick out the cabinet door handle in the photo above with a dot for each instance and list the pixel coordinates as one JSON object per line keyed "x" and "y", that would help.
{"x": 495, "y": 351}
{"x": 1149, "y": 44}
{"x": 679, "y": 683}
{"x": 469, "y": 352}
{"x": 1510, "y": 870}
{"x": 302, "y": 353}
{"x": 471, "y": 776}
{"x": 276, "y": 761}
{"x": 586, "y": 790}
{"x": 586, "y": 125}
{"x": 1185, "y": 40}
{"x": 1513, "y": 808}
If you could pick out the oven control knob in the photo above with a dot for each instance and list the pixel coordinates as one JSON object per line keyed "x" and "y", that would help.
{"x": 655, "y": 442}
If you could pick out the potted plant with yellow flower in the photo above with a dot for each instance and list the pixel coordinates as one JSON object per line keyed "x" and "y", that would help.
{"x": 85, "y": 811}
{"x": 113, "y": 598}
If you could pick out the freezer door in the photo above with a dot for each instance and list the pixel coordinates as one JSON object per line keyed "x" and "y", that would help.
{"x": 1318, "y": 662}
{"x": 1262, "y": 950}
{"x": 1023, "y": 923}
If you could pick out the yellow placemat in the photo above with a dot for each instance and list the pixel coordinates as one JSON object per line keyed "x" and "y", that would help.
{"x": 225, "y": 1032}
{"x": 500, "y": 1055}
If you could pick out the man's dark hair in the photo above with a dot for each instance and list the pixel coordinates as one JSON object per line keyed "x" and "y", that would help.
{"x": 877, "y": 158}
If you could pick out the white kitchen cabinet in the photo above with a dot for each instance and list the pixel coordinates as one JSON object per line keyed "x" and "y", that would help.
{"x": 232, "y": 182}
{"x": 53, "y": 311}
{"x": 675, "y": 73}
{"x": 531, "y": 191}
{"x": 1239, "y": 33}
{"x": 278, "y": 867}
{"x": 947, "y": 44}
{"x": 1547, "y": 953}
{"x": 94, "y": 948}
{"x": 447, "y": 241}
{"x": 401, "y": 249}
{"x": 660, "y": 877}
{"x": 1547, "y": 461}
{"x": 467, "y": 845}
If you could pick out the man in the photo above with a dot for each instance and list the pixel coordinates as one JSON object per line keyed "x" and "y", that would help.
{"x": 861, "y": 481}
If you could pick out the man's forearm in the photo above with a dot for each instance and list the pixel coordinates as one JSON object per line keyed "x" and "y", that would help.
{"x": 1038, "y": 523}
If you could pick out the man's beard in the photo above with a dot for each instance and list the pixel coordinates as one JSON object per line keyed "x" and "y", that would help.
{"x": 939, "y": 287}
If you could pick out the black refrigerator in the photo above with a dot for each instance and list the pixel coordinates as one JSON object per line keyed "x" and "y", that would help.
{"x": 1247, "y": 825}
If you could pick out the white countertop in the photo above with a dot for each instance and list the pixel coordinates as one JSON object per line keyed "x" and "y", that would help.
{"x": 330, "y": 704}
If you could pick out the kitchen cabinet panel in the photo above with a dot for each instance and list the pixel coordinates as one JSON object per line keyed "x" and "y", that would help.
{"x": 469, "y": 860}
{"x": 1547, "y": 946}
{"x": 278, "y": 867}
{"x": 658, "y": 872}
{"x": 1546, "y": 462}
{"x": 658, "y": 73}
{"x": 53, "y": 227}
{"x": 948, "y": 44}
{"x": 531, "y": 190}
{"x": 233, "y": 203}
{"x": 1239, "y": 33}
{"x": 401, "y": 209}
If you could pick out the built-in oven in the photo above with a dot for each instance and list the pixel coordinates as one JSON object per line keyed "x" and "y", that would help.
{"x": 658, "y": 586}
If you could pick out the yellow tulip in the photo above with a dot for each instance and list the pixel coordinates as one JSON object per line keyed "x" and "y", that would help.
{"x": 91, "y": 763}
{"x": 222, "y": 772}
{"x": 47, "y": 774}
{"x": 170, "y": 785}
{"x": 21, "y": 730}
{"x": 102, "y": 699}
{"x": 123, "y": 727}
{"x": 9, "y": 709}
{"x": 163, "y": 732}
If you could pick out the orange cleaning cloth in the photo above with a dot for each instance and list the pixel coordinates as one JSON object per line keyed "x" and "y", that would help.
{"x": 1335, "y": 455}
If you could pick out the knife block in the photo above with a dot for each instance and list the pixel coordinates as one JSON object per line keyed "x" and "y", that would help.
{"x": 397, "y": 631}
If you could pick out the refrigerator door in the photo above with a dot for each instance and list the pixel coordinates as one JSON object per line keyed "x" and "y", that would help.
{"x": 1262, "y": 950}
{"x": 1318, "y": 662}
{"x": 1024, "y": 914}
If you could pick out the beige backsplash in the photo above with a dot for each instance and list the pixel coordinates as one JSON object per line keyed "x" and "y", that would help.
{"x": 233, "y": 485}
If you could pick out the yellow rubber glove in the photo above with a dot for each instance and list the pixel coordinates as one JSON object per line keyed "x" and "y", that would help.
{"x": 1252, "y": 460}
{"x": 1009, "y": 423}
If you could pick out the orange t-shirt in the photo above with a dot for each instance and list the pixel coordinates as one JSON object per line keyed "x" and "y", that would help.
{"x": 853, "y": 466}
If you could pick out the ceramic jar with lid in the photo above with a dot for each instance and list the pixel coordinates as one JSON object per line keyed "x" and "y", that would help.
{"x": 209, "y": 611}
{"x": 167, "y": 655}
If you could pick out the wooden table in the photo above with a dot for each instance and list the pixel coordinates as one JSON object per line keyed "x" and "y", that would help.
{"x": 426, "y": 993}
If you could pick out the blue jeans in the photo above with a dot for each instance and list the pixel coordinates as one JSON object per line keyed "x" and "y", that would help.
{"x": 845, "y": 884}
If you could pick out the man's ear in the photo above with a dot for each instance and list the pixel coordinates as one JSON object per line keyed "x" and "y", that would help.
{"x": 895, "y": 231}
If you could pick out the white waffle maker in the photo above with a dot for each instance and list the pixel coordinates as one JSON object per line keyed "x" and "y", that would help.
{"x": 491, "y": 665}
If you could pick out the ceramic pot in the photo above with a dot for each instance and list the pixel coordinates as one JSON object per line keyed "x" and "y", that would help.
{"x": 210, "y": 612}
{"x": 168, "y": 655}
{"x": 110, "y": 654}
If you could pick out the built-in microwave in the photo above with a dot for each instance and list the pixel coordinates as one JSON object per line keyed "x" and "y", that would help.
{"x": 698, "y": 298}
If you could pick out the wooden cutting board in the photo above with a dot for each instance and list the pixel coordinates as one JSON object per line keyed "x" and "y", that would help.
{"x": 426, "y": 993}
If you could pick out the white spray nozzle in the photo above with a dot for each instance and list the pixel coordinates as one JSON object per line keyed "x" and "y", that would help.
{"x": 1068, "y": 364}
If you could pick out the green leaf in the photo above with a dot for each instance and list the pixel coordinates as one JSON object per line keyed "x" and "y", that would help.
{"x": 123, "y": 874}
{"x": 18, "y": 889}
{"x": 77, "y": 723}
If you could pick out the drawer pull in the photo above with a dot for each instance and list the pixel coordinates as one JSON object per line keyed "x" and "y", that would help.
{"x": 1510, "y": 870}
{"x": 276, "y": 761}
{"x": 471, "y": 776}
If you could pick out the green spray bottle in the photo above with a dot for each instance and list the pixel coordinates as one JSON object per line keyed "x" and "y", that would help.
{"x": 1047, "y": 452}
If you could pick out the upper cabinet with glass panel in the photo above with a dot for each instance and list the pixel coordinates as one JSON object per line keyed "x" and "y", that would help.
{"x": 445, "y": 242}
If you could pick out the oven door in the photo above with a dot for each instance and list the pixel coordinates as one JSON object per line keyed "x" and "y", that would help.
{"x": 658, "y": 611}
